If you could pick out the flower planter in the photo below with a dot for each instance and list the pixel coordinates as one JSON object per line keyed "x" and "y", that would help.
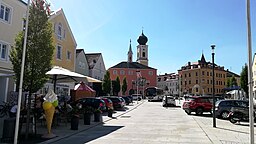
{"x": 110, "y": 113}
{"x": 97, "y": 117}
{"x": 87, "y": 118}
{"x": 74, "y": 122}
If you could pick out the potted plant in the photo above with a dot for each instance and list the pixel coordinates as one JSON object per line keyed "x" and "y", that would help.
{"x": 87, "y": 111}
{"x": 97, "y": 115}
{"x": 110, "y": 112}
{"x": 75, "y": 117}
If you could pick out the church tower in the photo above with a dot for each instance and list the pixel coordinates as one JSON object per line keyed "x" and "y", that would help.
{"x": 142, "y": 50}
{"x": 130, "y": 53}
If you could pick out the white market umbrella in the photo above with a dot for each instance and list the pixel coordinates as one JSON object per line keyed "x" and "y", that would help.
{"x": 62, "y": 75}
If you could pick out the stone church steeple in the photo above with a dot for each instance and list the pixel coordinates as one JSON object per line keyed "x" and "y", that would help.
{"x": 130, "y": 53}
{"x": 142, "y": 50}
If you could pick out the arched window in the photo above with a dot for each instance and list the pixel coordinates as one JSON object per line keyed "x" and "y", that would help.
{"x": 59, "y": 31}
{"x": 143, "y": 54}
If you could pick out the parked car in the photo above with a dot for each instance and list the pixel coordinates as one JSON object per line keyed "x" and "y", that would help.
{"x": 168, "y": 101}
{"x": 108, "y": 102}
{"x": 127, "y": 100}
{"x": 96, "y": 103}
{"x": 117, "y": 102}
{"x": 223, "y": 107}
{"x": 199, "y": 104}
{"x": 136, "y": 96}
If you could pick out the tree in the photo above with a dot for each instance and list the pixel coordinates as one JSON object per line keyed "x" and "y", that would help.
{"x": 116, "y": 86}
{"x": 39, "y": 52}
{"x": 233, "y": 81}
{"x": 124, "y": 86}
{"x": 244, "y": 79}
{"x": 106, "y": 83}
{"x": 228, "y": 83}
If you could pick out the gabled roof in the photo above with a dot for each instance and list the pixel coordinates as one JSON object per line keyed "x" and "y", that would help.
{"x": 61, "y": 12}
{"x": 78, "y": 51}
{"x": 134, "y": 65}
{"x": 203, "y": 59}
{"x": 92, "y": 59}
{"x": 230, "y": 74}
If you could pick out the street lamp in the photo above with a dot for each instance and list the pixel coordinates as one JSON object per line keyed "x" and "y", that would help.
{"x": 213, "y": 89}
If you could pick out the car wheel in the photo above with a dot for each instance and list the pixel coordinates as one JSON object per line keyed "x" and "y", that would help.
{"x": 232, "y": 120}
{"x": 199, "y": 111}
{"x": 188, "y": 112}
{"x": 224, "y": 115}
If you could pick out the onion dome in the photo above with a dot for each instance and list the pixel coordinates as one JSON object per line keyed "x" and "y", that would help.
{"x": 142, "y": 40}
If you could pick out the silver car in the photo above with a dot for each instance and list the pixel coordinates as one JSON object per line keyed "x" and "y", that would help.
{"x": 169, "y": 101}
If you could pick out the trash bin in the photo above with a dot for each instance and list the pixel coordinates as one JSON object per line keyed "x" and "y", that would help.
{"x": 8, "y": 130}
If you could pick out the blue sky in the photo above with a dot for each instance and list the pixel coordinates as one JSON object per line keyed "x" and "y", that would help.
{"x": 178, "y": 31}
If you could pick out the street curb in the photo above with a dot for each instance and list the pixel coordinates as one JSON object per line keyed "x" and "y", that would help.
{"x": 91, "y": 126}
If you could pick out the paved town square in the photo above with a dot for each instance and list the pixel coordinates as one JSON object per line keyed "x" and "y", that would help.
{"x": 150, "y": 123}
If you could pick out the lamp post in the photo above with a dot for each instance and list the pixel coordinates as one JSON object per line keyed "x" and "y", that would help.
{"x": 137, "y": 83}
{"x": 250, "y": 80}
{"x": 213, "y": 89}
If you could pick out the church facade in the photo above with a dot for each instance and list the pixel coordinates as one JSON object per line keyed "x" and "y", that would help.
{"x": 138, "y": 74}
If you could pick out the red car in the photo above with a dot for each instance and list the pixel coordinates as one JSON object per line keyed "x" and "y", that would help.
{"x": 108, "y": 102}
{"x": 199, "y": 104}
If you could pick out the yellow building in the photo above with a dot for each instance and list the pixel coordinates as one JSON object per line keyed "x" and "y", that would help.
{"x": 12, "y": 13}
{"x": 196, "y": 78}
{"x": 64, "y": 41}
{"x": 65, "y": 50}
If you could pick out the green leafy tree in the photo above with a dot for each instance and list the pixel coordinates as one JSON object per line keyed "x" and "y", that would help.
{"x": 106, "y": 84}
{"x": 228, "y": 83}
{"x": 244, "y": 79}
{"x": 233, "y": 81}
{"x": 118, "y": 85}
{"x": 124, "y": 86}
{"x": 39, "y": 51}
{"x": 114, "y": 85}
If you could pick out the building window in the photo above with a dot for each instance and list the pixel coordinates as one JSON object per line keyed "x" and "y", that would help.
{"x": 114, "y": 72}
{"x": 143, "y": 54}
{"x": 68, "y": 55}
{"x": 196, "y": 81}
{"x": 5, "y": 13}
{"x": 189, "y": 82}
{"x": 150, "y": 73}
{"x": 189, "y": 75}
{"x": 185, "y": 75}
{"x": 59, "y": 31}
{"x": 207, "y": 73}
{"x": 196, "y": 73}
{"x": 3, "y": 51}
{"x": 122, "y": 72}
{"x": 81, "y": 65}
{"x": 59, "y": 50}
{"x": 202, "y": 72}
{"x": 196, "y": 89}
{"x": 130, "y": 72}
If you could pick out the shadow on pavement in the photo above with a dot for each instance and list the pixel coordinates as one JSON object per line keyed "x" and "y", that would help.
{"x": 89, "y": 135}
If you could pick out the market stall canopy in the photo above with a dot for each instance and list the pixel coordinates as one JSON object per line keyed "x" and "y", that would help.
{"x": 83, "y": 87}
{"x": 82, "y": 90}
{"x": 63, "y": 75}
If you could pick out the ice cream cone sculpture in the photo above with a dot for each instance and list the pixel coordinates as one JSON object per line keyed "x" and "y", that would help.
{"x": 51, "y": 101}
{"x": 49, "y": 117}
